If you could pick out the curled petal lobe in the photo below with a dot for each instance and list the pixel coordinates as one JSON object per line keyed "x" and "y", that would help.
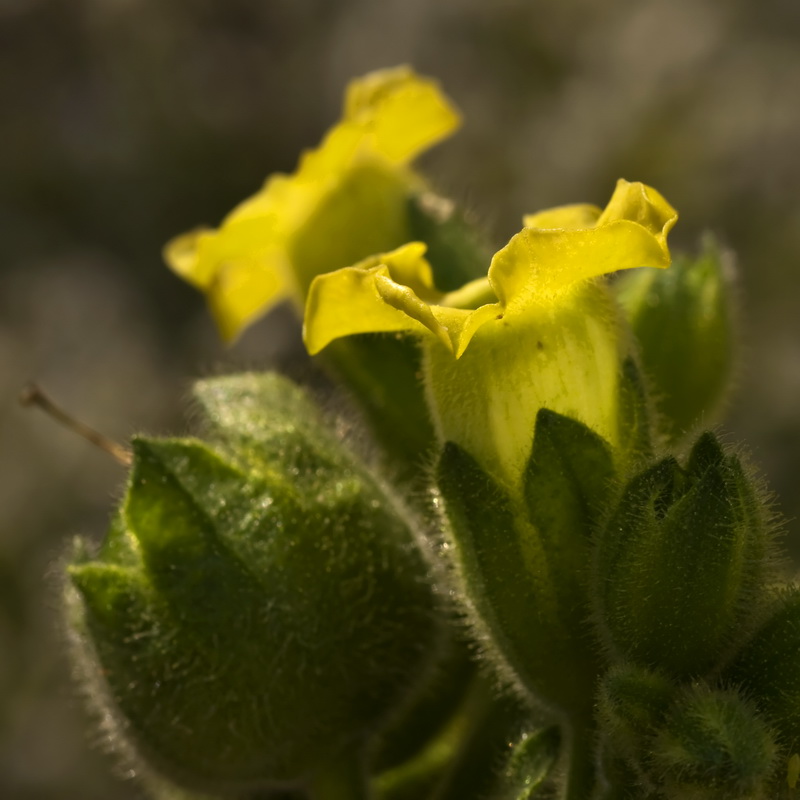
{"x": 240, "y": 274}
{"x": 182, "y": 255}
{"x": 566, "y": 245}
{"x": 392, "y": 292}
{"x": 350, "y": 301}
{"x": 642, "y": 204}
{"x": 572, "y": 217}
{"x": 402, "y": 113}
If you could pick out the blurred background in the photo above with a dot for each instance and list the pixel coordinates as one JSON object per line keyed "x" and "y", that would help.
{"x": 125, "y": 122}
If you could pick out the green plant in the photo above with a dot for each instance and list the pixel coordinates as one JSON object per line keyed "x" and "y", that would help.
{"x": 272, "y": 615}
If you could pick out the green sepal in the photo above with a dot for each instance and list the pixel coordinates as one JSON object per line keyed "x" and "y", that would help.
{"x": 680, "y": 565}
{"x": 119, "y": 547}
{"x": 682, "y": 318}
{"x": 491, "y": 559}
{"x": 532, "y": 760}
{"x": 631, "y": 703}
{"x": 461, "y": 761}
{"x": 200, "y": 524}
{"x": 514, "y": 575}
{"x": 384, "y": 375}
{"x": 767, "y": 667}
{"x": 567, "y": 483}
{"x": 707, "y": 453}
{"x": 635, "y": 417}
{"x": 714, "y": 744}
{"x": 251, "y": 625}
{"x": 455, "y": 251}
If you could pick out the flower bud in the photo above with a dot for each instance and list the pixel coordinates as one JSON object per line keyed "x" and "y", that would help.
{"x": 714, "y": 745}
{"x": 259, "y": 607}
{"x": 768, "y": 667}
{"x": 632, "y": 702}
{"x": 680, "y": 562}
{"x": 682, "y": 319}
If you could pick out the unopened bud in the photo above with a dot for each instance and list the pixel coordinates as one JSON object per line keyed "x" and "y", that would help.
{"x": 714, "y": 745}
{"x": 681, "y": 561}
{"x": 260, "y": 607}
{"x": 683, "y": 320}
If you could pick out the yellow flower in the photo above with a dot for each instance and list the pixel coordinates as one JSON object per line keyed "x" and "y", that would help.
{"x": 347, "y": 199}
{"x": 538, "y": 331}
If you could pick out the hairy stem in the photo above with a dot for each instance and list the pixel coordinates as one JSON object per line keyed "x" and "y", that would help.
{"x": 341, "y": 779}
{"x": 581, "y": 773}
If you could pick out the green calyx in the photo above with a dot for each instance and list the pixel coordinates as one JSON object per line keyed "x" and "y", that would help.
{"x": 632, "y": 702}
{"x": 690, "y": 742}
{"x": 683, "y": 321}
{"x": 680, "y": 565}
{"x": 714, "y": 745}
{"x": 767, "y": 668}
{"x": 260, "y": 606}
{"x": 523, "y": 559}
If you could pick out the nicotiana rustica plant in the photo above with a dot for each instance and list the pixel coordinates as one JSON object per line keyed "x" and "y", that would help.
{"x": 552, "y": 581}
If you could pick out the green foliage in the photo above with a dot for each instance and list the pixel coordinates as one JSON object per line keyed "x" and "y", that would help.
{"x": 682, "y": 318}
{"x": 768, "y": 668}
{"x": 531, "y": 761}
{"x": 266, "y": 618}
{"x": 714, "y": 744}
{"x": 635, "y": 416}
{"x": 632, "y": 702}
{"x": 263, "y": 612}
{"x": 524, "y": 560}
{"x": 681, "y": 563}
{"x": 257, "y": 613}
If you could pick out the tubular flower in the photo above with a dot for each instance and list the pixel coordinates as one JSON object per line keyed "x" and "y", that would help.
{"x": 538, "y": 332}
{"x": 347, "y": 198}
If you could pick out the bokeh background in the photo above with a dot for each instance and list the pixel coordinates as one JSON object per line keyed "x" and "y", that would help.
{"x": 124, "y": 122}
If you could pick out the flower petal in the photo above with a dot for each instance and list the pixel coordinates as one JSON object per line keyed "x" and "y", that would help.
{"x": 354, "y": 299}
{"x": 240, "y": 291}
{"x": 540, "y": 262}
{"x": 389, "y": 292}
{"x": 239, "y": 271}
{"x": 402, "y": 113}
{"x": 353, "y": 189}
{"x": 642, "y": 204}
{"x": 572, "y": 217}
